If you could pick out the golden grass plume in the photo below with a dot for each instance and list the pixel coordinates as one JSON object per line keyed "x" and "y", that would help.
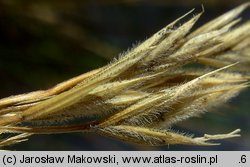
{"x": 140, "y": 95}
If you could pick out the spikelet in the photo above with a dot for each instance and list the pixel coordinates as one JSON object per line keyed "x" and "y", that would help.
{"x": 140, "y": 95}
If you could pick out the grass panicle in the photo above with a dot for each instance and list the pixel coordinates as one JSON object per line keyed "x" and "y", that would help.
{"x": 139, "y": 96}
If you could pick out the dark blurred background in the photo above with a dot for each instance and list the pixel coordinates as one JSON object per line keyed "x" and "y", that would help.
{"x": 45, "y": 42}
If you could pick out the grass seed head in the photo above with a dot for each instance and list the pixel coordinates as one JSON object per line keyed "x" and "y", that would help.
{"x": 140, "y": 95}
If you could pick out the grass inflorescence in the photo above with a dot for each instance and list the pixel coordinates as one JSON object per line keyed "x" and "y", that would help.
{"x": 139, "y": 96}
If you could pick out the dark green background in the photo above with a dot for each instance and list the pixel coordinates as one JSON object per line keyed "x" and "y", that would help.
{"x": 45, "y": 42}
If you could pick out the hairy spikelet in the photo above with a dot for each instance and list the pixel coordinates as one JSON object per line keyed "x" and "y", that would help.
{"x": 140, "y": 95}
